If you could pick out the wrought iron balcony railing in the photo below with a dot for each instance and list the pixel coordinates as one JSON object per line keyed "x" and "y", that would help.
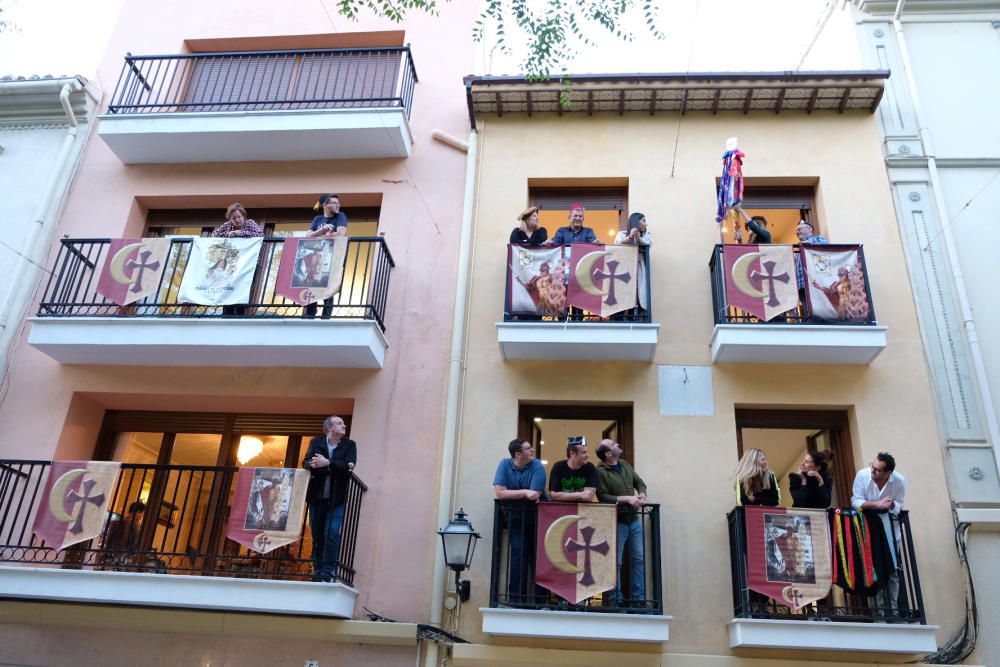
{"x": 163, "y": 519}
{"x": 512, "y": 577}
{"x": 242, "y": 81}
{"x": 840, "y": 605}
{"x": 72, "y": 287}
{"x": 727, "y": 314}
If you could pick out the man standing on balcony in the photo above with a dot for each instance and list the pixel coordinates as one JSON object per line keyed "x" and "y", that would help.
{"x": 575, "y": 232}
{"x": 331, "y": 223}
{"x": 520, "y": 478}
{"x": 330, "y": 460}
{"x": 881, "y": 489}
{"x": 574, "y": 480}
{"x": 617, "y": 482}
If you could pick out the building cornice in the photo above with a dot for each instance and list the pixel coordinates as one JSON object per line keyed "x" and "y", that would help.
{"x": 36, "y": 101}
{"x": 888, "y": 7}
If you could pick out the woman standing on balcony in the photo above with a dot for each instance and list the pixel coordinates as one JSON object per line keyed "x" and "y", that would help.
{"x": 811, "y": 485}
{"x": 637, "y": 232}
{"x": 755, "y": 483}
{"x": 238, "y": 225}
{"x": 529, "y": 232}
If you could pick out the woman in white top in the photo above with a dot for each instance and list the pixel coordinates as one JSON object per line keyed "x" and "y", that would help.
{"x": 637, "y": 232}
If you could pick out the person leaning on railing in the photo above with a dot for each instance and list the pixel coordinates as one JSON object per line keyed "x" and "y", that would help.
{"x": 329, "y": 224}
{"x": 755, "y": 483}
{"x": 617, "y": 482}
{"x": 237, "y": 225}
{"x": 637, "y": 232}
{"x": 528, "y": 231}
{"x": 811, "y": 485}
{"x": 520, "y": 478}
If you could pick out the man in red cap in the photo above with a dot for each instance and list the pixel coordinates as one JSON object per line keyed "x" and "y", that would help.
{"x": 575, "y": 232}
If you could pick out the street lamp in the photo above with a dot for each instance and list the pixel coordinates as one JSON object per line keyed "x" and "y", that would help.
{"x": 458, "y": 539}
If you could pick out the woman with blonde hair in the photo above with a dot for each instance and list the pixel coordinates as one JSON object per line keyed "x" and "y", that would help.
{"x": 755, "y": 483}
{"x": 529, "y": 232}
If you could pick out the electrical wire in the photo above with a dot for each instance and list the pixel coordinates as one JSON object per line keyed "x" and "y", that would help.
{"x": 963, "y": 643}
{"x": 960, "y": 211}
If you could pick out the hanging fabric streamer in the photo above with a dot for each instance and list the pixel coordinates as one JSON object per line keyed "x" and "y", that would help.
{"x": 731, "y": 184}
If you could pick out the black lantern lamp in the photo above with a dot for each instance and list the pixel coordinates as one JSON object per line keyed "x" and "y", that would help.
{"x": 459, "y": 541}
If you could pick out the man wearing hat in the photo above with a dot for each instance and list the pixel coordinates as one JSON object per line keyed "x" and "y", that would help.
{"x": 529, "y": 232}
{"x": 575, "y": 479}
{"x": 618, "y": 483}
{"x": 575, "y": 232}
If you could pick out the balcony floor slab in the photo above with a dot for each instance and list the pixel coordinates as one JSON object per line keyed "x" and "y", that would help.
{"x": 582, "y": 341}
{"x": 574, "y": 625}
{"x": 335, "y": 343}
{"x": 180, "y": 591}
{"x": 898, "y": 638}
{"x": 797, "y": 344}
{"x": 275, "y": 135}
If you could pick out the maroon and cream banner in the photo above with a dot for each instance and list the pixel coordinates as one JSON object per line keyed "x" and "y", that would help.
{"x": 576, "y": 549}
{"x": 788, "y": 554}
{"x": 74, "y": 503}
{"x": 268, "y": 507}
{"x": 760, "y": 279}
{"x": 219, "y": 271}
{"x": 132, "y": 269}
{"x": 836, "y": 284}
{"x": 603, "y": 278}
{"x": 311, "y": 270}
{"x": 537, "y": 280}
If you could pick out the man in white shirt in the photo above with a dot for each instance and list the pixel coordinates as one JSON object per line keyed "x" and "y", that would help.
{"x": 880, "y": 488}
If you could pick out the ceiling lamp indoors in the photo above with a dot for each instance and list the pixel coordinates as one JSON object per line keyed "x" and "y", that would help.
{"x": 250, "y": 447}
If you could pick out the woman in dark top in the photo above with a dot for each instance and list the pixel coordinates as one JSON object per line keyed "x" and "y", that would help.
{"x": 812, "y": 483}
{"x": 755, "y": 483}
{"x": 529, "y": 233}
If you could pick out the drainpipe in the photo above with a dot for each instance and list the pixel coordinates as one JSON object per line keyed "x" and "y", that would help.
{"x": 40, "y": 231}
{"x": 455, "y": 370}
{"x": 971, "y": 336}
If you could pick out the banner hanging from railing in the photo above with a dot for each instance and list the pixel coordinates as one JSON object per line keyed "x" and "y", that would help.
{"x": 603, "y": 278}
{"x": 132, "y": 269}
{"x": 268, "y": 507}
{"x": 788, "y": 554}
{"x": 576, "y": 549}
{"x": 537, "y": 281}
{"x": 220, "y": 271}
{"x": 74, "y": 502}
{"x": 760, "y": 279}
{"x": 311, "y": 270}
{"x": 836, "y": 284}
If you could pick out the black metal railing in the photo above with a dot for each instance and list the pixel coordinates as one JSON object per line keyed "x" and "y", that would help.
{"x": 266, "y": 80}
{"x": 166, "y": 520}
{"x": 726, "y": 314}
{"x": 512, "y": 575}
{"x": 72, "y": 286}
{"x": 641, "y": 313}
{"x": 840, "y": 605}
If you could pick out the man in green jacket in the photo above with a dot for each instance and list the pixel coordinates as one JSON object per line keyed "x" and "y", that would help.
{"x": 618, "y": 483}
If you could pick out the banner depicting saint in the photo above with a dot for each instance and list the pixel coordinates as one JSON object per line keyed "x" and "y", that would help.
{"x": 220, "y": 271}
{"x": 836, "y": 284}
{"x": 537, "y": 281}
{"x": 788, "y": 554}
{"x": 268, "y": 507}
{"x": 311, "y": 270}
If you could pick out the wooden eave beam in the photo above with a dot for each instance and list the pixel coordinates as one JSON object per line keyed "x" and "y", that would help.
{"x": 812, "y": 100}
{"x": 843, "y": 99}
{"x": 715, "y": 102}
{"x": 746, "y": 102}
{"x": 777, "y": 104}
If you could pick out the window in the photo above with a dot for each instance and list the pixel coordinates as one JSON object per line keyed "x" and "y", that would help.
{"x": 605, "y": 208}
{"x": 783, "y": 206}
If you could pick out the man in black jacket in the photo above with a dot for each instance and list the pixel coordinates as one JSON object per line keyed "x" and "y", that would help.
{"x": 330, "y": 459}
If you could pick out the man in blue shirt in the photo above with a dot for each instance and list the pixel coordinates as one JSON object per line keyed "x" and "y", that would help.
{"x": 520, "y": 482}
{"x": 575, "y": 232}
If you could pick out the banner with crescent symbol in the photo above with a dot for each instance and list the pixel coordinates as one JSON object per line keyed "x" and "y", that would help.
{"x": 311, "y": 270}
{"x": 576, "y": 549}
{"x": 836, "y": 284}
{"x": 220, "y": 271}
{"x": 760, "y": 279}
{"x": 268, "y": 507}
{"x": 537, "y": 281}
{"x": 788, "y": 554}
{"x": 603, "y": 278}
{"x": 74, "y": 502}
{"x": 132, "y": 269}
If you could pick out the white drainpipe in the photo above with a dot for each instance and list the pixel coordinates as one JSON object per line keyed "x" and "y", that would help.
{"x": 36, "y": 243}
{"x": 978, "y": 366}
{"x": 455, "y": 370}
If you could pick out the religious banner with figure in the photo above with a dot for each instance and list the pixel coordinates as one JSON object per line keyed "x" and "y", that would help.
{"x": 788, "y": 554}
{"x": 537, "y": 281}
{"x": 836, "y": 284}
{"x": 576, "y": 549}
{"x": 220, "y": 271}
{"x": 311, "y": 270}
{"x": 132, "y": 269}
{"x": 603, "y": 278}
{"x": 760, "y": 279}
{"x": 74, "y": 502}
{"x": 268, "y": 507}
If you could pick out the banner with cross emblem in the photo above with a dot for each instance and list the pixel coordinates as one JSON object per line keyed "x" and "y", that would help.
{"x": 268, "y": 507}
{"x": 788, "y": 554}
{"x": 74, "y": 503}
{"x": 576, "y": 549}
{"x": 132, "y": 269}
{"x": 760, "y": 279}
{"x": 311, "y": 270}
{"x": 603, "y": 278}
